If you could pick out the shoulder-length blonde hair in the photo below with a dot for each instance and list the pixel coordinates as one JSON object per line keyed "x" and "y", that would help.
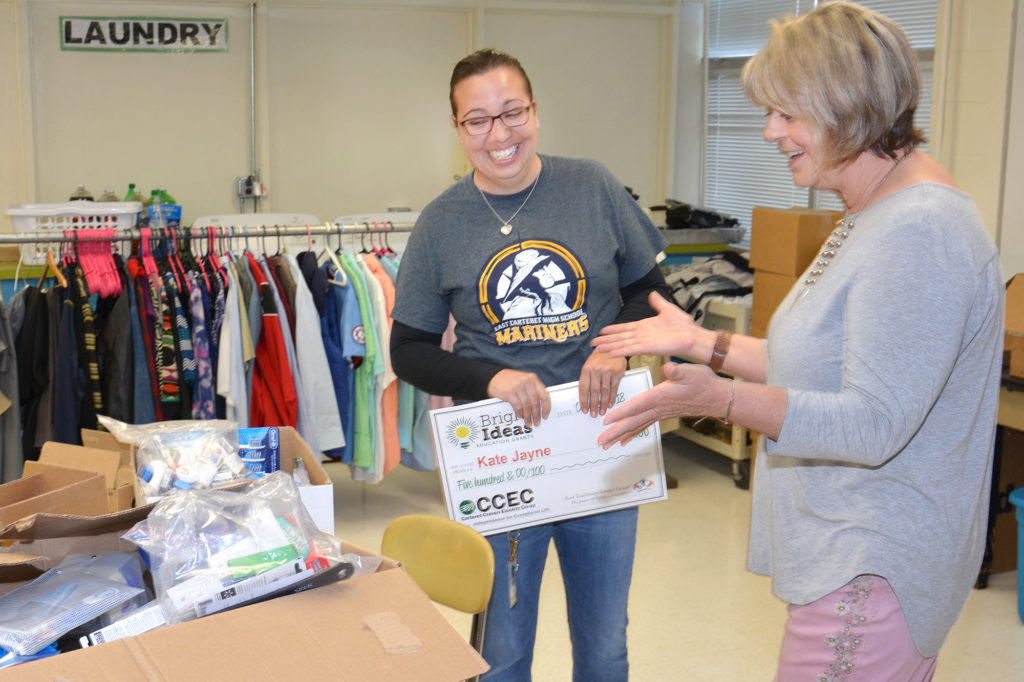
{"x": 845, "y": 71}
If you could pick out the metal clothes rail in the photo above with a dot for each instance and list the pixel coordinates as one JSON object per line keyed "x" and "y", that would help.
{"x": 222, "y": 231}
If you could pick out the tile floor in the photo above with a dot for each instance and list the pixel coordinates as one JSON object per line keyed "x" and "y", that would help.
{"x": 696, "y": 615}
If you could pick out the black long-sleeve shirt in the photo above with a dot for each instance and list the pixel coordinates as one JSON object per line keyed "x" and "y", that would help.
{"x": 417, "y": 356}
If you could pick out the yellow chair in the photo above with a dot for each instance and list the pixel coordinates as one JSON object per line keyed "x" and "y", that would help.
{"x": 451, "y": 562}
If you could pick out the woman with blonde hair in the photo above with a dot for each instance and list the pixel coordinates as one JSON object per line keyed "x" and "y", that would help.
{"x": 877, "y": 386}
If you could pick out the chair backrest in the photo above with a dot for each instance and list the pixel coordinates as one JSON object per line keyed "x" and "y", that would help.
{"x": 451, "y": 562}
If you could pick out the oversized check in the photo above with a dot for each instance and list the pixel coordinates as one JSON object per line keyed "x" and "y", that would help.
{"x": 499, "y": 474}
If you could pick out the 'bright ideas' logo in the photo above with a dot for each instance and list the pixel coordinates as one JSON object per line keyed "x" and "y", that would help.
{"x": 462, "y": 432}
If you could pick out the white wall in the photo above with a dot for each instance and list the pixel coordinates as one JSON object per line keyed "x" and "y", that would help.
{"x": 1011, "y": 238}
{"x": 969, "y": 128}
{"x": 352, "y": 100}
{"x": 153, "y": 118}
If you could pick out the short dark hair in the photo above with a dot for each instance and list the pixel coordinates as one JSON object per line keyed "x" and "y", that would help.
{"x": 483, "y": 61}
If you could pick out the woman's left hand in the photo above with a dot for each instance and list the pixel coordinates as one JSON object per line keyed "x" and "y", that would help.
{"x": 689, "y": 390}
{"x": 599, "y": 382}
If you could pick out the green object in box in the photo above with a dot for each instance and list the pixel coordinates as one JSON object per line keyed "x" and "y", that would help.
{"x": 261, "y": 562}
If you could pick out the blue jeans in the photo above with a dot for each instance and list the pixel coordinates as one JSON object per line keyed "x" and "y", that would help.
{"x": 596, "y": 557}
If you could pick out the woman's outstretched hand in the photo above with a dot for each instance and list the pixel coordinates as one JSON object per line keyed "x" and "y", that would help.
{"x": 688, "y": 391}
{"x": 670, "y": 332}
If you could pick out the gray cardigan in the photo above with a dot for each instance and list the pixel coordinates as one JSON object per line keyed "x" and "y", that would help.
{"x": 892, "y": 363}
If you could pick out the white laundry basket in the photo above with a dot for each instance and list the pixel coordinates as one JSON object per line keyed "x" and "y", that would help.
{"x": 69, "y": 215}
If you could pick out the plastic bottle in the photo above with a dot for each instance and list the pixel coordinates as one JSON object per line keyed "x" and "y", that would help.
{"x": 299, "y": 473}
{"x": 81, "y": 194}
{"x": 108, "y": 195}
{"x": 156, "y": 213}
{"x": 133, "y": 195}
{"x": 164, "y": 196}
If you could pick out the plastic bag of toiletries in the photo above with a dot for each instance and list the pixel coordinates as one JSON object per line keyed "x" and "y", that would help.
{"x": 212, "y": 550}
{"x": 80, "y": 589}
{"x": 181, "y": 455}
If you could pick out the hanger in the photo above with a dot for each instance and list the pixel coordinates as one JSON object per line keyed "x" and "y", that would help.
{"x": 146, "y": 251}
{"x": 340, "y": 278}
{"x": 71, "y": 251}
{"x": 377, "y": 248}
{"x": 177, "y": 269}
{"x": 362, "y": 237}
{"x": 211, "y": 257}
{"x": 51, "y": 264}
{"x": 97, "y": 262}
{"x": 110, "y": 266}
{"x": 194, "y": 264}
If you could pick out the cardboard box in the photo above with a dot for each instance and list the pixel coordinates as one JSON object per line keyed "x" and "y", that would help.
{"x": 1013, "y": 342}
{"x": 45, "y": 488}
{"x": 786, "y": 240}
{"x": 41, "y": 541}
{"x": 769, "y": 290}
{"x": 319, "y": 497}
{"x": 380, "y": 626}
{"x": 118, "y": 476}
{"x": 103, "y": 440}
{"x": 376, "y": 627}
{"x": 1008, "y": 475}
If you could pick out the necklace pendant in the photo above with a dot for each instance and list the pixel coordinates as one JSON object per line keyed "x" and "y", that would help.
{"x": 506, "y": 229}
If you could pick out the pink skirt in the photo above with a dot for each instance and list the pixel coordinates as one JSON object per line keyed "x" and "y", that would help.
{"x": 856, "y": 634}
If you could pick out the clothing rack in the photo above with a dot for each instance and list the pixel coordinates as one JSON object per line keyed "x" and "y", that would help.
{"x": 229, "y": 231}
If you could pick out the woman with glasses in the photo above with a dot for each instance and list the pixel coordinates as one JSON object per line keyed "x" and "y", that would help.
{"x": 531, "y": 254}
{"x": 878, "y": 385}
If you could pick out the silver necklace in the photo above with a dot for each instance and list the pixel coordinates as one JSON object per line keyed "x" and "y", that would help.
{"x": 842, "y": 231}
{"x": 506, "y": 225}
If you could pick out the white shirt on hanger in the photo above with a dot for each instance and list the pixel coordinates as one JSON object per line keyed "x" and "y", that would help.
{"x": 231, "y": 383}
{"x": 313, "y": 366}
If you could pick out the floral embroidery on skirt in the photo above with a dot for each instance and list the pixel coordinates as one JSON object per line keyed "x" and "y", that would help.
{"x": 846, "y": 642}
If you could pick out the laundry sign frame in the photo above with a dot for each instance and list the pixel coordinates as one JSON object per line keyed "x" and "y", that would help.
{"x": 143, "y": 34}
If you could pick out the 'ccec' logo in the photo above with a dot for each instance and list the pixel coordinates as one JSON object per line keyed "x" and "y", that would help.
{"x": 467, "y": 507}
{"x": 463, "y": 432}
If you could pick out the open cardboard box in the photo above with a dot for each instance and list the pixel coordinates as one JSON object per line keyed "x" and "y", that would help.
{"x": 37, "y": 543}
{"x": 375, "y": 627}
{"x": 46, "y": 488}
{"x": 111, "y": 464}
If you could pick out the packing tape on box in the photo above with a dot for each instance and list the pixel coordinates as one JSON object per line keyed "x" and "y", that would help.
{"x": 393, "y": 634}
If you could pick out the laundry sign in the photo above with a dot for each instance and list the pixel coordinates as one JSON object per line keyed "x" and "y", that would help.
{"x": 143, "y": 34}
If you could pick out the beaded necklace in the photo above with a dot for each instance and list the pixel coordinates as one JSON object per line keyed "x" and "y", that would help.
{"x": 842, "y": 231}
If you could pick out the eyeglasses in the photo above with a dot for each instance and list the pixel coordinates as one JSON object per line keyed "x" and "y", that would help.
{"x": 481, "y": 125}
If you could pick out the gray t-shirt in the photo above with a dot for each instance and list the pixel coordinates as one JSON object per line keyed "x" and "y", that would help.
{"x": 533, "y": 299}
{"x": 892, "y": 363}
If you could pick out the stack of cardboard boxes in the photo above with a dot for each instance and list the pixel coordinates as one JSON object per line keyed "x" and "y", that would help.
{"x": 783, "y": 242}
